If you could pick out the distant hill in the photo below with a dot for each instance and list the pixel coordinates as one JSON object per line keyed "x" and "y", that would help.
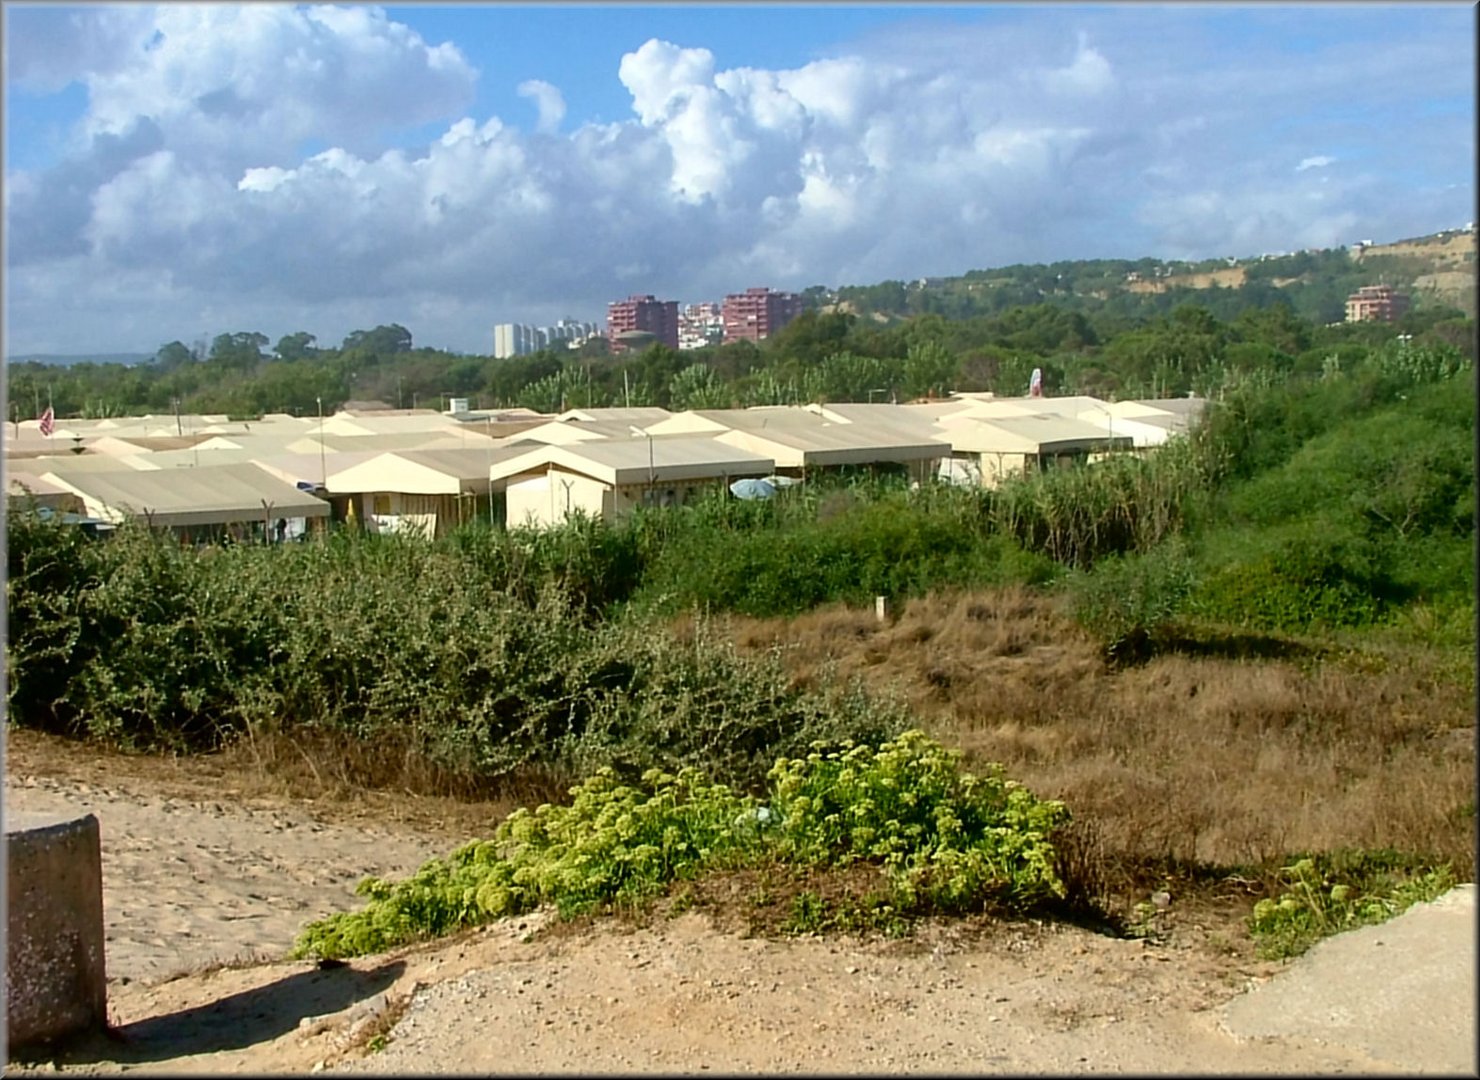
{"x": 1437, "y": 270}
{"x": 63, "y": 360}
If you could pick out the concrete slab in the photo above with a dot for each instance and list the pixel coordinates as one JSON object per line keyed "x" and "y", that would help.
{"x": 1403, "y": 991}
{"x": 54, "y": 965}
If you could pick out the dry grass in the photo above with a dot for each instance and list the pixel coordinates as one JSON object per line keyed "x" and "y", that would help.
{"x": 1231, "y": 278}
{"x": 332, "y": 764}
{"x": 334, "y": 781}
{"x": 1187, "y": 759}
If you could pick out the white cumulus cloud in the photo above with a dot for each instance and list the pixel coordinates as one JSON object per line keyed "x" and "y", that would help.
{"x": 245, "y": 167}
{"x": 548, "y": 100}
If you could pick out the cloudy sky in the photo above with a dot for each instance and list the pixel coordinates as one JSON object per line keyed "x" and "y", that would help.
{"x": 179, "y": 171}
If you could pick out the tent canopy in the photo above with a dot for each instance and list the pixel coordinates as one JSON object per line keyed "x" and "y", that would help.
{"x": 209, "y": 495}
{"x": 624, "y": 462}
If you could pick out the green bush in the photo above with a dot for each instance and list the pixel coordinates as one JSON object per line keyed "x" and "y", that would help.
{"x": 150, "y": 645}
{"x": 1300, "y": 577}
{"x": 1324, "y": 897}
{"x": 1129, "y": 602}
{"x": 49, "y": 568}
{"x": 832, "y": 544}
{"x": 945, "y": 841}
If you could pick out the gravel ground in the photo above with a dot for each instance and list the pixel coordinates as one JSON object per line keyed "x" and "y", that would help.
{"x": 193, "y": 881}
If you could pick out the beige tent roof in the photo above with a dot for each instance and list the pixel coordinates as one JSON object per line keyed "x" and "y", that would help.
{"x": 88, "y": 463}
{"x": 382, "y": 443}
{"x": 906, "y": 420}
{"x": 260, "y": 442}
{"x": 197, "y": 458}
{"x": 564, "y": 432}
{"x": 1189, "y": 407}
{"x": 622, "y": 462}
{"x": 21, "y": 484}
{"x": 641, "y": 416}
{"x": 311, "y": 469}
{"x": 501, "y": 429}
{"x": 420, "y": 472}
{"x": 689, "y": 422}
{"x": 706, "y": 421}
{"x": 210, "y": 495}
{"x": 933, "y": 409}
{"x": 1025, "y": 434}
{"x": 859, "y": 442}
{"x": 398, "y": 422}
{"x": 514, "y": 415}
{"x": 1143, "y": 431}
{"x": 130, "y": 444}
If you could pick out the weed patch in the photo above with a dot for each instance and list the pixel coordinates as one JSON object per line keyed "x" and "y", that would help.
{"x": 943, "y": 840}
{"x": 1324, "y": 896}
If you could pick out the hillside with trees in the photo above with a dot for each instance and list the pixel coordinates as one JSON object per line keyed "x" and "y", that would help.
{"x": 1110, "y": 328}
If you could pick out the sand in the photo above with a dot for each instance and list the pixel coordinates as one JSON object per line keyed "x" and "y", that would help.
{"x": 193, "y": 882}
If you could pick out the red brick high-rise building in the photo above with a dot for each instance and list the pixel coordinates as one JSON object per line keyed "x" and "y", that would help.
{"x": 1376, "y": 303}
{"x": 642, "y": 313}
{"x": 758, "y": 313}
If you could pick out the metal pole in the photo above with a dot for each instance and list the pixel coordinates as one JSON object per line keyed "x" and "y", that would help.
{"x": 323, "y": 465}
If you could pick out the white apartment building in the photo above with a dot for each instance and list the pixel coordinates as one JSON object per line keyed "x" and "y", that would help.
{"x": 520, "y": 339}
{"x": 700, "y": 325}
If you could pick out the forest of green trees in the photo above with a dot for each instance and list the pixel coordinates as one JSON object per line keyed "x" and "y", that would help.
{"x": 1136, "y": 345}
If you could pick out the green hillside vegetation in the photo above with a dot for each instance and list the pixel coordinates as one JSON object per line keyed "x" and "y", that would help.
{"x": 986, "y": 330}
{"x": 1305, "y": 501}
{"x": 1321, "y": 521}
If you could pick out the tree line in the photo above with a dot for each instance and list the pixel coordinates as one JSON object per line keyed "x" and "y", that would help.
{"x": 826, "y": 354}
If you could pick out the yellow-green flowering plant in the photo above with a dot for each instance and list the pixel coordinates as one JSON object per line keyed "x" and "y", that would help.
{"x": 946, "y": 840}
{"x": 1315, "y": 905}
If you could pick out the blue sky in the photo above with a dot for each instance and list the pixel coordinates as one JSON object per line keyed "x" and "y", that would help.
{"x": 186, "y": 170}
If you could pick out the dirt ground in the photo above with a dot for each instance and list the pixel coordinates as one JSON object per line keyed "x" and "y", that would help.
{"x": 207, "y": 881}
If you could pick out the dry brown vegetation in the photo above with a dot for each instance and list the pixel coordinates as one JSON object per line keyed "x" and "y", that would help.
{"x": 1232, "y": 278}
{"x": 340, "y": 781}
{"x": 1232, "y": 755}
{"x": 1445, "y": 249}
{"x": 1205, "y": 759}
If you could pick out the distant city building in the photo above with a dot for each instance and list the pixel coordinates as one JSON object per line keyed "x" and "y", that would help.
{"x": 518, "y": 339}
{"x": 701, "y": 325}
{"x": 1376, "y": 303}
{"x": 639, "y": 315}
{"x": 756, "y": 314}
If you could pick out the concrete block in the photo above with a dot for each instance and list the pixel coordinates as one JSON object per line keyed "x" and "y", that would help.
{"x": 55, "y": 981}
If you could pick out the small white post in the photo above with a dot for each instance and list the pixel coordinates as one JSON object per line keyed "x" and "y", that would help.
{"x": 881, "y": 608}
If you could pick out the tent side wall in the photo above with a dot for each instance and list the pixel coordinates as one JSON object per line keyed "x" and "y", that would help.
{"x": 429, "y": 515}
{"x": 528, "y": 500}
{"x": 546, "y": 498}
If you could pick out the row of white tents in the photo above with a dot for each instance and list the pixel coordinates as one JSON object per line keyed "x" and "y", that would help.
{"x": 395, "y": 470}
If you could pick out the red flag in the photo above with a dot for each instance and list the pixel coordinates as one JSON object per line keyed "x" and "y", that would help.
{"x": 48, "y": 422}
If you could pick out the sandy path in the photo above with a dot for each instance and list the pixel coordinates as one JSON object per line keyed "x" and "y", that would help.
{"x": 191, "y": 881}
{"x": 188, "y": 883}
{"x": 682, "y": 998}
